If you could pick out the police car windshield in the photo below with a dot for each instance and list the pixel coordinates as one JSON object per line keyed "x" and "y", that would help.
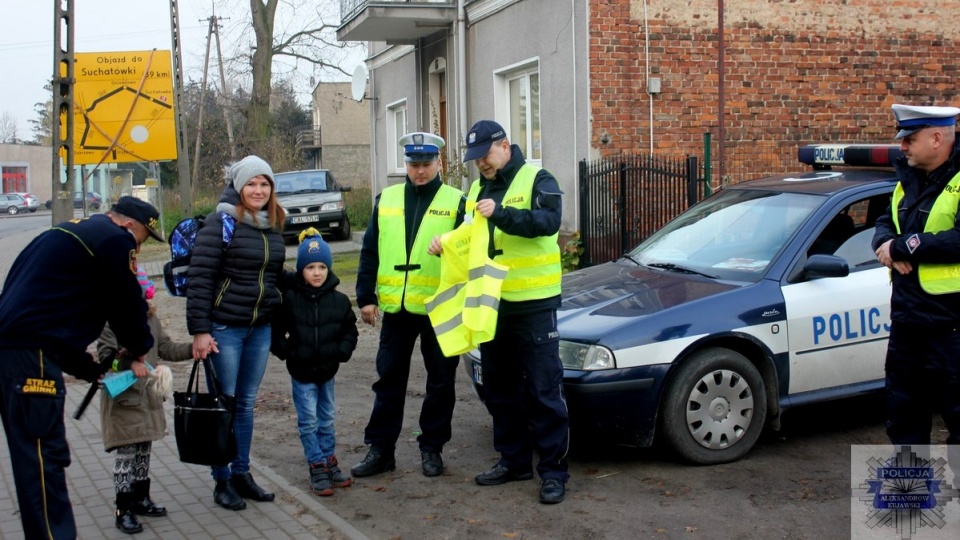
{"x": 302, "y": 182}
{"x": 733, "y": 235}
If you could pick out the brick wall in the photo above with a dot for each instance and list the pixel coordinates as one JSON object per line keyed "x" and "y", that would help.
{"x": 796, "y": 71}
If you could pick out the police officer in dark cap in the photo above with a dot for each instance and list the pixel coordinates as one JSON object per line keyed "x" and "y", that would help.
{"x": 919, "y": 240}
{"x": 51, "y": 309}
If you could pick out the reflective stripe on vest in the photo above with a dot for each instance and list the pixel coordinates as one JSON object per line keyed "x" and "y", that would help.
{"x": 534, "y": 263}
{"x": 936, "y": 278}
{"x": 464, "y": 310}
{"x": 409, "y": 282}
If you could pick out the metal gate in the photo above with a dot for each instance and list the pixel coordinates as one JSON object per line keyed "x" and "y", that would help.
{"x": 625, "y": 198}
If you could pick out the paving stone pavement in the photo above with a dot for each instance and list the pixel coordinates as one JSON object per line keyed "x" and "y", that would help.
{"x": 186, "y": 490}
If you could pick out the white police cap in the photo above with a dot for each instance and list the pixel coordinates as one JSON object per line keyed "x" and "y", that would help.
{"x": 913, "y": 118}
{"x": 420, "y": 146}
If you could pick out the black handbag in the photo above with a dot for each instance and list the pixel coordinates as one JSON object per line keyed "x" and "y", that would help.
{"x": 203, "y": 422}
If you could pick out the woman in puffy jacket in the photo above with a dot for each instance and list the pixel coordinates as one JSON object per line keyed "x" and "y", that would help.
{"x": 231, "y": 296}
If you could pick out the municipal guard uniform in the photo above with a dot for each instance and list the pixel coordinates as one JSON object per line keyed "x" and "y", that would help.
{"x": 522, "y": 372}
{"x": 397, "y": 274}
{"x": 51, "y": 309}
{"x": 922, "y": 364}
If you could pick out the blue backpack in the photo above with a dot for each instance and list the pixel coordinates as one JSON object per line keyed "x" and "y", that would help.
{"x": 182, "y": 240}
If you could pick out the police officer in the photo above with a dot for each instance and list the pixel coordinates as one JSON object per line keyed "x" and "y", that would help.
{"x": 522, "y": 373}
{"x": 51, "y": 309}
{"x": 396, "y": 275}
{"x": 919, "y": 240}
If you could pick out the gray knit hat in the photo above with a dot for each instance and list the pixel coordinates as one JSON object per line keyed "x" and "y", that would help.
{"x": 242, "y": 171}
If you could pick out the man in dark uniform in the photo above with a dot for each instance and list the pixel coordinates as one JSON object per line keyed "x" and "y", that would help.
{"x": 522, "y": 373}
{"x": 919, "y": 240}
{"x": 51, "y": 308}
{"x": 396, "y": 275}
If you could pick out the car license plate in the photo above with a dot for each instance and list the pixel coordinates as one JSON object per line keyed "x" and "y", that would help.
{"x": 304, "y": 219}
{"x": 477, "y": 373}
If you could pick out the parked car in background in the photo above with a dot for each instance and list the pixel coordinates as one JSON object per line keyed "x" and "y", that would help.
{"x": 764, "y": 296}
{"x": 312, "y": 198}
{"x": 94, "y": 200}
{"x": 13, "y": 203}
{"x": 33, "y": 203}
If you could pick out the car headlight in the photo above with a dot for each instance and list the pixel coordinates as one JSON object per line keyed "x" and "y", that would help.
{"x": 586, "y": 357}
{"x": 332, "y": 206}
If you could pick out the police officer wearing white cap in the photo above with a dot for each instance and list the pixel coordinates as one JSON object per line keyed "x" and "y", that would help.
{"x": 919, "y": 240}
{"x": 395, "y": 277}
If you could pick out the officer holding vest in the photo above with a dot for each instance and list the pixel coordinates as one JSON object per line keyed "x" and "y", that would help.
{"x": 396, "y": 275}
{"x": 522, "y": 373}
{"x": 919, "y": 240}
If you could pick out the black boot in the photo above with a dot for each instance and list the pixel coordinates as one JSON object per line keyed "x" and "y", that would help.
{"x": 226, "y": 496}
{"x": 378, "y": 460}
{"x": 248, "y": 489}
{"x": 142, "y": 504}
{"x": 126, "y": 519}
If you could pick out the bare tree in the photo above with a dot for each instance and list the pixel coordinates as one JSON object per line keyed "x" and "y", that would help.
{"x": 42, "y": 124}
{"x": 8, "y": 128}
{"x": 311, "y": 40}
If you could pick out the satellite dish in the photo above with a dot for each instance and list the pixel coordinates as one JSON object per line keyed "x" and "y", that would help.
{"x": 359, "y": 84}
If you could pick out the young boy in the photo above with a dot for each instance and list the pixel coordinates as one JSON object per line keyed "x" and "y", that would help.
{"x": 314, "y": 334}
{"x": 132, "y": 420}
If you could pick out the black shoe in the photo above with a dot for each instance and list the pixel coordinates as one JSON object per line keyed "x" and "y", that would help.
{"x": 377, "y": 461}
{"x": 432, "y": 463}
{"x": 501, "y": 475}
{"x": 248, "y": 489}
{"x": 142, "y": 505}
{"x": 227, "y": 497}
{"x": 127, "y": 522}
{"x": 552, "y": 491}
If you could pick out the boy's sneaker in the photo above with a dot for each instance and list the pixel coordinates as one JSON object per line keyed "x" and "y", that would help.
{"x": 320, "y": 479}
{"x": 337, "y": 478}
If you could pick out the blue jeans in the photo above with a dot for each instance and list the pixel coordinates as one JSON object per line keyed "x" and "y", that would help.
{"x": 315, "y": 415}
{"x": 240, "y": 366}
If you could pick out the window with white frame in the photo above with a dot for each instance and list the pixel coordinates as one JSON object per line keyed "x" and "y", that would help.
{"x": 518, "y": 106}
{"x": 396, "y": 128}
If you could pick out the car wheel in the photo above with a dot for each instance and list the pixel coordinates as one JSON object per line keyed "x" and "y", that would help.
{"x": 13, "y": 210}
{"x": 714, "y": 408}
{"x": 343, "y": 233}
{"x": 95, "y": 206}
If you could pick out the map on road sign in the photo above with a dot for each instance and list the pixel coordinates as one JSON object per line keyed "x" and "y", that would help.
{"x": 123, "y": 107}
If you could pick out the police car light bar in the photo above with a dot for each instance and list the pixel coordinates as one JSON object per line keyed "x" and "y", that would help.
{"x": 849, "y": 154}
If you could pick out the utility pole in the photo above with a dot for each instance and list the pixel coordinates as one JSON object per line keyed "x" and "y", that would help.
{"x": 183, "y": 158}
{"x": 203, "y": 90}
{"x": 63, "y": 87}
{"x": 223, "y": 87}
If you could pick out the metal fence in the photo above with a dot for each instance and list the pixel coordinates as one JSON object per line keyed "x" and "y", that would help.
{"x": 625, "y": 198}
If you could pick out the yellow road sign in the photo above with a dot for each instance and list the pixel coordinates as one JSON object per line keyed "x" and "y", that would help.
{"x": 123, "y": 107}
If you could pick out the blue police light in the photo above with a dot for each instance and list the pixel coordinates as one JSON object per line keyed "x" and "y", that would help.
{"x": 861, "y": 155}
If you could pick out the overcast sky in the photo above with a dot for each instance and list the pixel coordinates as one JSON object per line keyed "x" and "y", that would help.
{"x": 26, "y": 43}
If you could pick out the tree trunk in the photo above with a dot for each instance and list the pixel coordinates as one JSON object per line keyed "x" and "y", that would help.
{"x": 258, "y": 111}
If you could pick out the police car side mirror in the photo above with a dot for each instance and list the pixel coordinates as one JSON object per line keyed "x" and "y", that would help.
{"x": 818, "y": 266}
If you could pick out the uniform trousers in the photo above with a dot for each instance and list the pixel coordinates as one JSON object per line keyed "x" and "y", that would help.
{"x": 32, "y": 397}
{"x": 398, "y": 335}
{"x": 523, "y": 388}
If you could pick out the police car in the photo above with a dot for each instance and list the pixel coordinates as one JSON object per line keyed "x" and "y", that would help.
{"x": 764, "y": 296}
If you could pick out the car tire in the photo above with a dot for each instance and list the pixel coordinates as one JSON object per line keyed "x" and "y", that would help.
{"x": 714, "y": 408}
{"x": 13, "y": 210}
{"x": 95, "y": 206}
{"x": 343, "y": 233}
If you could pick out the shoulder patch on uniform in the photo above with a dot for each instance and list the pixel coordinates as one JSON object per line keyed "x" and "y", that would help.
{"x": 913, "y": 242}
{"x": 133, "y": 261}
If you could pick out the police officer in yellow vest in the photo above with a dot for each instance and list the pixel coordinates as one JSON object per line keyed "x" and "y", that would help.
{"x": 396, "y": 275}
{"x": 919, "y": 240}
{"x": 522, "y": 373}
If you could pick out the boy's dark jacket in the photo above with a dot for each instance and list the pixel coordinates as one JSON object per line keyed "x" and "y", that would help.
{"x": 316, "y": 330}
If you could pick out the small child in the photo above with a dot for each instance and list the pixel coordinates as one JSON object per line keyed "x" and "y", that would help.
{"x": 135, "y": 418}
{"x": 316, "y": 331}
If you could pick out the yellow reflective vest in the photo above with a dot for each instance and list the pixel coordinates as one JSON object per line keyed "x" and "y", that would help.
{"x": 936, "y": 278}
{"x": 463, "y": 313}
{"x": 402, "y": 282}
{"x": 534, "y": 263}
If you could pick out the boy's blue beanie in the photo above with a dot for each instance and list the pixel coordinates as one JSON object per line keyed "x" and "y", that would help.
{"x": 313, "y": 249}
